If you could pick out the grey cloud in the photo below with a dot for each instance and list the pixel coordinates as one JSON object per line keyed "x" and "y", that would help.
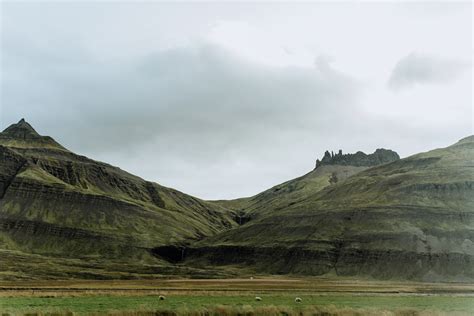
{"x": 417, "y": 69}
{"x": 97, "y": 77}
{"x": 200, "y": 94}
{"x": 175, "y": 113}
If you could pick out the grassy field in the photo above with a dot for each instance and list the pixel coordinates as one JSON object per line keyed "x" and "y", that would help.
{"x": 235, "y": 297}
{"x": 187, "y": 303}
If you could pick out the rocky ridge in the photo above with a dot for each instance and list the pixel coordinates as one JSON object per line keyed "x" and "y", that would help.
{"x": 359, "y": 159}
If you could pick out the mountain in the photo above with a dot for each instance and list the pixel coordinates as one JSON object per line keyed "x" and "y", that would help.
{"x": 359, "y": 215}
{"x": 412, "y": 218}
{"x": 23, "y": 135}
{"x": 58, "y": 206}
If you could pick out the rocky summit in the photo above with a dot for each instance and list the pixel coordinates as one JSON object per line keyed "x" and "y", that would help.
{"x": 23, "y": 135}
{"x": 66, "y": 216}
{"x": 359, "y": 159}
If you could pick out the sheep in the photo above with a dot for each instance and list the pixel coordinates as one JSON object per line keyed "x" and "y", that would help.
{"x": 161, "y": 297}
{"x": 298, "y": 300}
{"x": 258, "y": 298}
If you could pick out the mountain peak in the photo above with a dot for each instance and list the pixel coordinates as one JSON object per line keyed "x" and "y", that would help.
{"x": 359, "y": 159}
{"x": 23, "y": 135}
{"x": 21, "y": 130}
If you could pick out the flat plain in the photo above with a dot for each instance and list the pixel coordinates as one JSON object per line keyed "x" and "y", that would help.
{"x": 320, "y": 296}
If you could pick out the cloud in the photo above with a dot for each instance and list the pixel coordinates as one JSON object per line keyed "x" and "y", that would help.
{"x": 416, "y": 69}
{"x": 195, "y": 106}
{"x": 195, "y": 92}
{"x": 224, "y": 101}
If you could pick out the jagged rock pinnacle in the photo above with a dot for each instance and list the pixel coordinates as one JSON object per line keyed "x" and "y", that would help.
{"x": 359, "y": 159}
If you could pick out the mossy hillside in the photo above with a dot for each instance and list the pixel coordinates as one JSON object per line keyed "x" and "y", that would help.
{"x": 18, "y": 266}
{"x": 290, "y": 192}
{"x": 79, "y": 218}
{"x": 411, "y": 218}
{"x": 54, "y": 202}
{"x": 332, "y": 169}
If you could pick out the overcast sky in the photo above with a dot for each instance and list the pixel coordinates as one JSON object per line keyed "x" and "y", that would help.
{"x": 226, "y": 100}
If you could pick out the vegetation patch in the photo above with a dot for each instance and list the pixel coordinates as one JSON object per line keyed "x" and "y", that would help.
{"x": 239, "y": 305}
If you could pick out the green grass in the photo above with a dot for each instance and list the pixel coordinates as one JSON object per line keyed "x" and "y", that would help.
{"x": 102, "y": 304}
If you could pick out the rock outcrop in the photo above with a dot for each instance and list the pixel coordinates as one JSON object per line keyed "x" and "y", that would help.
{"x": 359, "y": 159}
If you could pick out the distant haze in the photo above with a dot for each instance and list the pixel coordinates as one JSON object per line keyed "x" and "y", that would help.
{"x": 226, "y": 100}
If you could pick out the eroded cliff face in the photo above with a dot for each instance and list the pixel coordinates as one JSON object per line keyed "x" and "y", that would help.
{"x": 10, "y": 165}
{"x": 56, "y": 203}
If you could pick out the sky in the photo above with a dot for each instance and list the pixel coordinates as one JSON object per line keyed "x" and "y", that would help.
{"x": 224, "y": 100}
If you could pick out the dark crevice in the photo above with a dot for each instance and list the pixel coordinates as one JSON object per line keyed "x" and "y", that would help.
{"x": 154, "y": 195}
{"x": 170, "y": 253}
{"x": 242, "y": 218}
{"x": 7, "y": 182}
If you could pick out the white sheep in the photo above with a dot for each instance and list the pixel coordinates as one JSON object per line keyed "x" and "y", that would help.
{"x": 258, "y": 298}
{"x": 298, "y": 300}
{"x": 161, "y": 297}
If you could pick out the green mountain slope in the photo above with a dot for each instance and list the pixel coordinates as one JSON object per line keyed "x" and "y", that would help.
{"x": 329, "y": 171}
{"x": 58, "y": 204}
{"x": 64, "y": 215}
{"x": 409, "y": 219}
